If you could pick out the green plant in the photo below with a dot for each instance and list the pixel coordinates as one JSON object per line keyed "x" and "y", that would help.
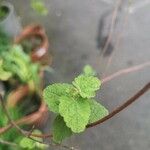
{"x": 5, "y": 42}
{"x": 4, "y": 75}
{"x": 74, "y": 104}
{"x": 30, "y": 144}
{"x": 9, "y": 136}
{"x": 3, "y": 12}
{"x": 16, "y": 63}
{"x": 39, "y": 7}
{"x": 24, "y": 143}
{"x": 58, "y": 96}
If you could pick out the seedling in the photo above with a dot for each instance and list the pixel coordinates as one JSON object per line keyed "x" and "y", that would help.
{"x": 74, "y": 104}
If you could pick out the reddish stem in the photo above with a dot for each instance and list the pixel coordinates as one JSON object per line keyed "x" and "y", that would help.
{"x": 122, "y": 107}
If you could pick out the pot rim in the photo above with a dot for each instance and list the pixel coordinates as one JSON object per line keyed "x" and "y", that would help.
{"x": 35, "y": 30}
{"x": 10, "y": 8}
{"x": 33, "y": 118}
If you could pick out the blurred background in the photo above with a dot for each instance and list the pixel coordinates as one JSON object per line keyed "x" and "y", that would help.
{"x": 78, "y": 31}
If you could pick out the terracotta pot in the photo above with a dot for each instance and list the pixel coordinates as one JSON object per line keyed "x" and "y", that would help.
{"x": 39, "y": 53}
{"x": 37, "y": 118}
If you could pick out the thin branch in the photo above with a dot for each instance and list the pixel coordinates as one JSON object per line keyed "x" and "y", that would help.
{"x": 31, "y": 131}
{"x": 117, "y": 43}
{"x": 117, "y": 110}
{"x": 119, "y": 73}
{"x": 56, "y": 145}
{"x": 12, "y": 123}
{"x": 8, "y": 143}
{"x": 8, "y": 116}
{"x": 9, "y": 126}
{"x": 113, "y": 20}
{"x": 29, "y": 134}
{"x": 126, "y": 71}
{"x": 123, "y": 106}
{"x": 113, "y": 113}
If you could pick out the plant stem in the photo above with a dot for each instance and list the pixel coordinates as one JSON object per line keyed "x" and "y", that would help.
{"x": 126, "y": 71}
{"x": 112, "y": 114}
{"x": 122, "y": 107}
{"x": 8, "y": 143}
{"x": 113, "y": 20}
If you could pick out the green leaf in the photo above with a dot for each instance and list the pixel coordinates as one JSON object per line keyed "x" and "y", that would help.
{"x": 4, "y": 75}
{"x": 60, "y": 130}
{"x": 37, "y": 144}
{"x": 27, "y": 143}
{"x": 36, "y": 138}
{"x": 20, "y": 65}
{"x": 97, "y": 111}
{"x": 88, "y": 70}
{"x": 53, "y": 92}
{"x": 87, "y": 85}
{"x": 40, "y": 146}
{"x": 5, "y": 42}
{"x": 39, "y": 7}
{"x": 76, "y": 112}
{"x": 3, "y": 12}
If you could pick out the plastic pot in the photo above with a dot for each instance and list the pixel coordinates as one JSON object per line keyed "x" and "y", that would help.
{"x": 37, "y": 118}
{"x": 10, "y": 23}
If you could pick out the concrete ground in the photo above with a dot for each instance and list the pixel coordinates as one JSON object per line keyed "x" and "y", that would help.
{"x": 75, "y": 29}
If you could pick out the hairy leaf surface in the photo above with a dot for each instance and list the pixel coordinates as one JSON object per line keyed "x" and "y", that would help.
{"x": 87, "y": 85}
{"x": 27, "y": 143}
{"x": 76, "y": 112}
{"x": 88, "y": 70}
{"x": 97, "y": 111}
{"x": 53, "y": 93}
{"x": 60, "y": 130}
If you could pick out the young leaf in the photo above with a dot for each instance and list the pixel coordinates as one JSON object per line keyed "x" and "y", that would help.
{"x": 5, "y": 42}
{"x": 41, "y": 146}
{"x": 38, "y": 146}
{"x": 76, "y": 112}
{"x": 39, "y": 7}
{"x": 20, "y": 65}
{"x": 60, "y": 130}
{"x": 88, "y": 70}
{"x": 4, "y": 75}
{"x": 36, "y": 138}
{"x": 52, "y": 94}
{"x": 97, "y": 111}
{"x": 87, "y": 85}
{"x": 27, "y": 143}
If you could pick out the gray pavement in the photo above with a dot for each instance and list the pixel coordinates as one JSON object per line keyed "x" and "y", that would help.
{"x": 73, "y": 27}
